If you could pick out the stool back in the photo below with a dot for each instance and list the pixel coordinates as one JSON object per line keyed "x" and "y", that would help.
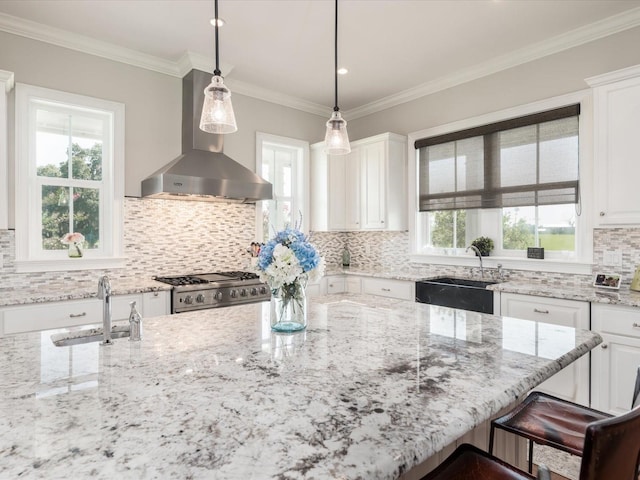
{"x": 612, "y": 448}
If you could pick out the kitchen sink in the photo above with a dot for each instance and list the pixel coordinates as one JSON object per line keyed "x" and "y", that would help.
{"x": 79, "y": 337}
{"x": 452, "y": 292}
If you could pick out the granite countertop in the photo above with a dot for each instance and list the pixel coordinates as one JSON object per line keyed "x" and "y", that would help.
{"x": 583, "y": 293}
{"x": 132, "y": 285}
{"x": 373, "y": 387}
{"x": 75, "y": 291}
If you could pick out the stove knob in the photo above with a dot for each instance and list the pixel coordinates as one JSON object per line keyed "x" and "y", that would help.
{"x": 233, "y": 293}
{"x": 200, "y": 298}
{"x": 263, "y": 290}
{"x": 218, "y": 296}
{"x": 254, "y": 291}
{"x": 188, "y": 299}
{"x": 243, "y": 293}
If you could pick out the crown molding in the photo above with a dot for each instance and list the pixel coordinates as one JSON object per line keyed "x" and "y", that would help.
{"x": 260, "y": 93}
{"x": 580, "y": 36}
{"x": 8, "y": 79}
{"x": 191, "y": 60}
{"x": 44, "y": 33}
{"x": 84, "y": 44}
{"x": 615, "y": 76}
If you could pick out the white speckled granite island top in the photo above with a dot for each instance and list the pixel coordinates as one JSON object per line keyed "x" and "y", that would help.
{"x": 366, "y": 392}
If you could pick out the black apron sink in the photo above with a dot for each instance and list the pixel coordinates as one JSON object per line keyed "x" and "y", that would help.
{"x": 460, "y": 293}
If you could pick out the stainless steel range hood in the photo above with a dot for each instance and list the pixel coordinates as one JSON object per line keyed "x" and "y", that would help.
{"x": 203, "y": 172}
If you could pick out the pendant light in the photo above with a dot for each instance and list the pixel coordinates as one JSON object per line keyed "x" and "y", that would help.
{"x": 336, "y": 139}
{"x": 217, "y": 111}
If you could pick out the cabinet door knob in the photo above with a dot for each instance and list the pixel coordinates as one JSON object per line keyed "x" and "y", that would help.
{"x": 605, "y": 346}
{"x": 75, "y": 315}
{"x": 635, "y": 325}
{"x": 602, "y": 214}
{"x": 537, "y": 310}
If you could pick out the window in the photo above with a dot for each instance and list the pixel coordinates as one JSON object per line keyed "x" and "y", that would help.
{"x": 515, "y": 181}
{"x": 69, "y": 178}
{"x": 283, "y": 162}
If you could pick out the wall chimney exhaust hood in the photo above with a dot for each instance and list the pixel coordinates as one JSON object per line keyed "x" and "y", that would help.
{"x": 203, "y": 172}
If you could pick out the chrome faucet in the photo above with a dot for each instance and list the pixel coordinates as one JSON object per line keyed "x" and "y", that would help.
{"x": 104, "y": 293}
{"x": 475, "y": 249}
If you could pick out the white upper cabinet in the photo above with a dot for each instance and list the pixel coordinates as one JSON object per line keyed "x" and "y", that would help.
{"x": 364, "y": 190}
{"x": 617, "y": 165}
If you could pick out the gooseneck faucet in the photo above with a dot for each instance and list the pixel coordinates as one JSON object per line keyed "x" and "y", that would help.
{"x": 475, "y": 249}
{"x": 104, "y": 293}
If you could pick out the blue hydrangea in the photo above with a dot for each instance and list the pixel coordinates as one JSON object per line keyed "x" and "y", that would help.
{"x": 306, "y": 255}
{"x": 297, "y": 241}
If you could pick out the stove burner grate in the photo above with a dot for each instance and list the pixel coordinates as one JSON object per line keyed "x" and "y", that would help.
{"x": 240, "y": 275}
{"x": 183, "y": 280}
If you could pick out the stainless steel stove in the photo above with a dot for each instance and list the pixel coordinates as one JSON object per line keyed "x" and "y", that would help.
{"x": 211, "y": 290}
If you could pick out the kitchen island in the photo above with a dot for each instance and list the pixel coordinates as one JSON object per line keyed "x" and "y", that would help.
{"x": 372, "y": 388}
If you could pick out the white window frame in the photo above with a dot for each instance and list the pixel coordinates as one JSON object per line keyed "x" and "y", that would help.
{"x": 300, "y": 184}
{"x": 30, "y": 257}
{"x": 582, "y": 261}
{"x": 6, "y": 85}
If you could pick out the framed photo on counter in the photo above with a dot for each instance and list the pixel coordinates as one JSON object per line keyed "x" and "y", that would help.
{"x": 607, "y": 280}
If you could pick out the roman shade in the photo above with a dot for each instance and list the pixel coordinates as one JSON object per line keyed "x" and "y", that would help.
{"x": 524, "y": 161}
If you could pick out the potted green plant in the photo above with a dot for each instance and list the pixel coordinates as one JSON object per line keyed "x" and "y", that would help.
{"x": 484, "y": 245}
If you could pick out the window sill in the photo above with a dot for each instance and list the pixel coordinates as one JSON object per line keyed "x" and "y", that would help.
{"x": 577, "y": 267}
{"x": 30, "y": 266}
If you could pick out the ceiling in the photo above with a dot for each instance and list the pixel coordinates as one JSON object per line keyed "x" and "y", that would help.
{"x": 282, "y": 50}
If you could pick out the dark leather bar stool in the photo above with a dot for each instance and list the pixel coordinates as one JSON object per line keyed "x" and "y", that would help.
{"x": 471, "y": 463}
{"x": 611, "y": 452}
{"x": 551, "y": 421}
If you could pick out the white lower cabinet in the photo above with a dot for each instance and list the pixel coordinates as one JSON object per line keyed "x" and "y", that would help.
{"x": 400, "y": 289}
{"x": 353, "y": 284}
{"x": 44, "y": 316}
{"x": 335, "y": 284}
{"x": 572, "y": 382}
{"x": 155, "y": 304}
{"x": 615, "y": 361}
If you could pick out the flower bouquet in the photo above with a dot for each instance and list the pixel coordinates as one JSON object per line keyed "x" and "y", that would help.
{"x": 75, "y": 241}
{"x": 286, "y": 263}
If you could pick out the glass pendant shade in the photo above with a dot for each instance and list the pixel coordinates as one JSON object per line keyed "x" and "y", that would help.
{"x": 217, "y": 111}
{"x": 336, "y": 139}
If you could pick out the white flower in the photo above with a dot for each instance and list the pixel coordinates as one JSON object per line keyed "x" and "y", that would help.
{"x": 284, "y": 268}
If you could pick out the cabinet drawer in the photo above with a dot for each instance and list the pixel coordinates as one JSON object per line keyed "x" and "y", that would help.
{"x": 335, "y": 285}
{"x": 571, "y": 313}
{"x": 389, "y": 288}
{"x": 155, "y": 304}
{"x": 28, "y": 318}
{"x": 616, "y": 319}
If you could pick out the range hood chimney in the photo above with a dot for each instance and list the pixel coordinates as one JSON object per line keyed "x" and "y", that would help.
{"x": 203, "y": 172}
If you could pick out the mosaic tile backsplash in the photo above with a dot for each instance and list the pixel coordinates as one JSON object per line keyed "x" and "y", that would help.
{"x": 161, "y": 237}
{"x": 164, "y": 237}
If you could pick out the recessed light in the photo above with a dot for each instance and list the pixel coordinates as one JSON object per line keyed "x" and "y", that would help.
{"x": 221, "y": 22}
{"x": 342, "y": 71}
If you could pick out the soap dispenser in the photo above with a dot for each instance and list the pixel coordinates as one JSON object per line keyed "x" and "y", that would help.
{"x": 135, "y": 324}
{"x": 346, "y": 257}
{"x": 635, "y": 283}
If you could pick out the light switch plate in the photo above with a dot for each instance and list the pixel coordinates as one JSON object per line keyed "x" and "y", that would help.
{"x": 612, "y": 258}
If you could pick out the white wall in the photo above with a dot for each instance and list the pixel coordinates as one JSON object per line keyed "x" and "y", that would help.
{"x": 547, "y": 77}
{"x": 152, "y": 102}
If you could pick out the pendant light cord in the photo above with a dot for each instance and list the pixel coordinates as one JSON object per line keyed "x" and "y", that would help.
{"x": 335, "y": 70}
{"x": 215, "y": 21}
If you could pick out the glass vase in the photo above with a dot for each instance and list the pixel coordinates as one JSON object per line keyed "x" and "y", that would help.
{"x": 75, "y": 250}
{"x": 289, "y": 308}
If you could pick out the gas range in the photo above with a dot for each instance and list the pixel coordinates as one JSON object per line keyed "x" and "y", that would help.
{"x": 211, "y": 290}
